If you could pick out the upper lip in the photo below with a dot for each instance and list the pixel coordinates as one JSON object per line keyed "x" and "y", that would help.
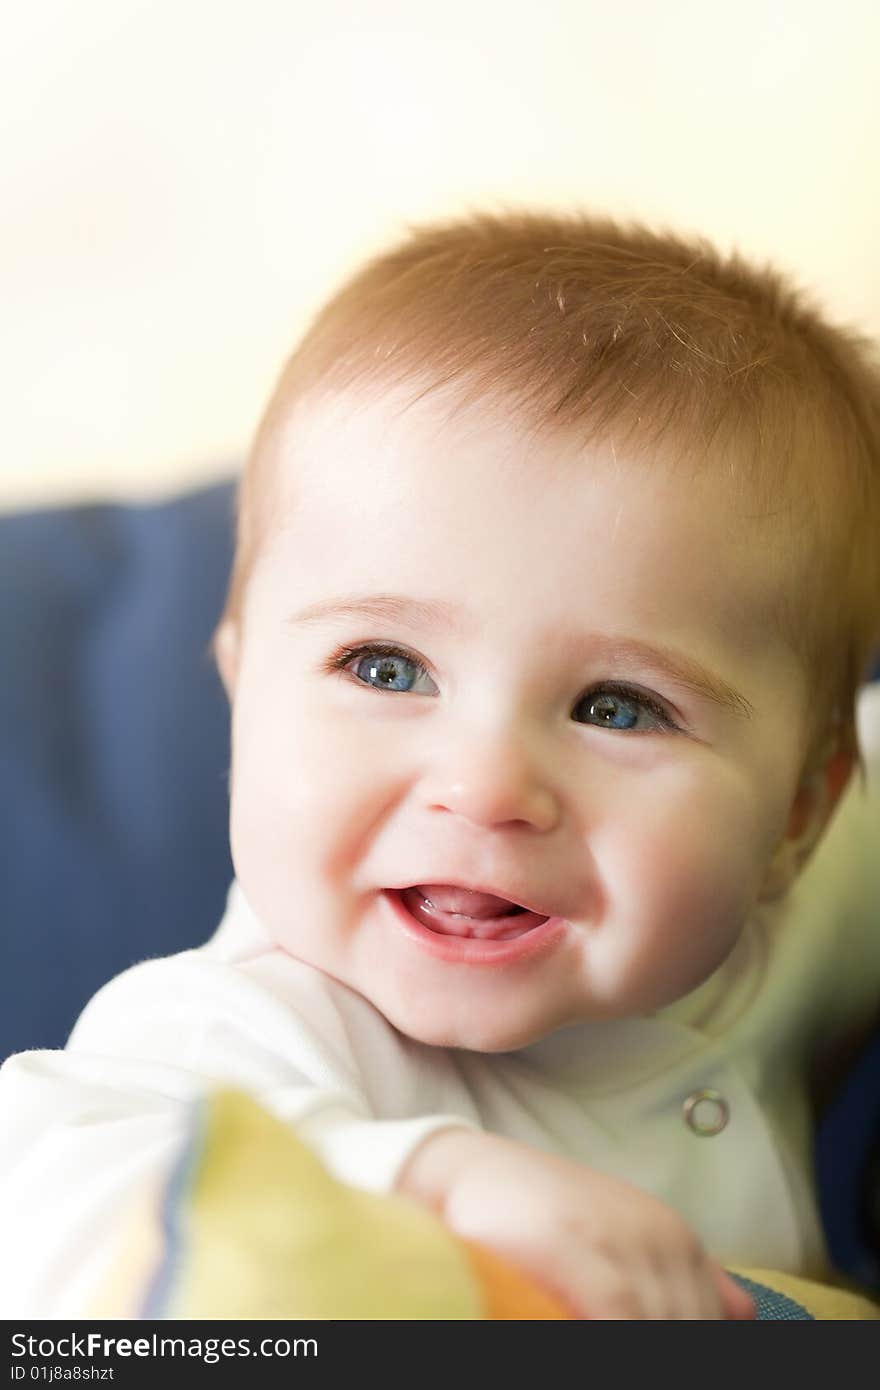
{"x": 531, "y": 904}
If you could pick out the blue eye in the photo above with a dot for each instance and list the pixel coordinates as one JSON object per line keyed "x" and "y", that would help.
{"x": 618, "y": 707}
{"x": 385, "y": 666}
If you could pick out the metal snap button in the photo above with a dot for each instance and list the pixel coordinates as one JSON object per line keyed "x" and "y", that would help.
{"x": 706, "y": 1112}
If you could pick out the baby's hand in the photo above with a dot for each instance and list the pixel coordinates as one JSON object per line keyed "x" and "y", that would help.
{"x": 605, "y": 1248}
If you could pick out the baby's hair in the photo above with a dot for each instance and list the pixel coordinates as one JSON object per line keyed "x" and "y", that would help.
{"x": 623, "y": 334}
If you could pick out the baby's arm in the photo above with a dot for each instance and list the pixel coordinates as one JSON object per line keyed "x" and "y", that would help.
{"x": 605, "y": 1248}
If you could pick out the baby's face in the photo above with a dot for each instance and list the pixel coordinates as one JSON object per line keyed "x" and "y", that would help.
{"x": 531, "y": 740}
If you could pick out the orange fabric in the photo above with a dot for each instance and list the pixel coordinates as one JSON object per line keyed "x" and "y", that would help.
{"x": 508, "y": 1294}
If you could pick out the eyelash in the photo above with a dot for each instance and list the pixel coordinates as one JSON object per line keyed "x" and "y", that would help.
{"x": 345, "y": 655}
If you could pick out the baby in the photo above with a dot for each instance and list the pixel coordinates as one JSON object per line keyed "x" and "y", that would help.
{"x": 555, "y": 592}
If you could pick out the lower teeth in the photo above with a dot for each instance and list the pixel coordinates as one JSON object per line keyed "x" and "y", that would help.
{"x": 514, "y": 911}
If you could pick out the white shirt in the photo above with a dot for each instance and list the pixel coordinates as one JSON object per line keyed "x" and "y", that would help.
{"x": 81, "y": 1129}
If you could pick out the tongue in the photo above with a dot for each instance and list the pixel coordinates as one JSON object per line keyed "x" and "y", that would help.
{"x": 463, "y": 900}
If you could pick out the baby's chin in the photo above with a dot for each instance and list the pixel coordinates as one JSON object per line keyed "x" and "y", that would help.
{"x": 472, "y": 1035}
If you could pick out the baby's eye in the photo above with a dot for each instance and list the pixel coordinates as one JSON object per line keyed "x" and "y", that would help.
{"x": 383, "y": 666}
{"x": 619, "y": 707}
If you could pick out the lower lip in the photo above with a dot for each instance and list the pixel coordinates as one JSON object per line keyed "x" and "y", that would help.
{"x": 463, "y": 950}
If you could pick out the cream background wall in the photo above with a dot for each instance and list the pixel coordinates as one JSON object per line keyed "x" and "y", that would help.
{"x": 184, "y": 180}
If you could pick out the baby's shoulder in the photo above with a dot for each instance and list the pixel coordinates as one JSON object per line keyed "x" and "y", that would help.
{"x": 260, "y": 1010}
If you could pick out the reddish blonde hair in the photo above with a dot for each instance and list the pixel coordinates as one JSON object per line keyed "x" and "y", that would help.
{"x": 577, "y": 322}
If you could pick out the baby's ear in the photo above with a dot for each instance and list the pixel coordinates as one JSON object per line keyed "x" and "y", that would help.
{"x": 815, "y": 800}
{"x": 225, "y": 647}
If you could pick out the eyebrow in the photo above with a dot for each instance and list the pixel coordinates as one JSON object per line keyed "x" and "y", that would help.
{"x": 436, "y": 614}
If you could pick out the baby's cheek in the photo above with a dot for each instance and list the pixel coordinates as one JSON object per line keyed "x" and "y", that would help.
{"x": 305, "y": 792}
{"x": 691, "y": 886}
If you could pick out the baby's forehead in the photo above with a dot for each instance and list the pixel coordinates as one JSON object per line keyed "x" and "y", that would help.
{"x": 387, "y": 461}
{"x": 409, "y": 444}
{"x": 375, "y": 469}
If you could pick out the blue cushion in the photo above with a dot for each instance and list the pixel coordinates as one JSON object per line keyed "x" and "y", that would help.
{"x": 114, "y": 748}
{"x": 848, "y": 1169}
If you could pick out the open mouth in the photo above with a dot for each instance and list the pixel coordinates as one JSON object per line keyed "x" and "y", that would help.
{"x": 510, "y": 922}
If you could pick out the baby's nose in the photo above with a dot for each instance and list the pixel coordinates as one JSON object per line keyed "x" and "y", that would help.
{"x": 495, "y": 783}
